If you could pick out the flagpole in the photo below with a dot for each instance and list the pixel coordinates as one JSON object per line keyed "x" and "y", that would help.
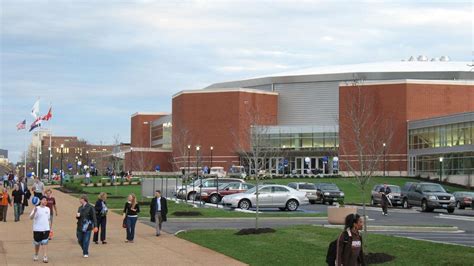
{"x": 50, "y": 148}
{"x": 26, "y": 148}
{"x": 37, "y": 147}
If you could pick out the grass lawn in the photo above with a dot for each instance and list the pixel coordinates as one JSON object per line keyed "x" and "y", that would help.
{"x": 349, "y": 185}
{"x": 307, "y": 245}
{"x": 117, "y": 197}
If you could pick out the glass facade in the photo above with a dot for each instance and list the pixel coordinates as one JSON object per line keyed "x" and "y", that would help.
{"x": 452, "y": 164}
{"x": 442, "y": 136}
{"x": 299, "y": 138}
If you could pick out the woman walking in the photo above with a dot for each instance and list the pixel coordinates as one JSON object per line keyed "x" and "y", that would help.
{"x": 5, "y": 200}
{"x": 349, "y": 243}
{"x": 101, "y": 213}
{"x": 86, "y": 220}
{"x": 130, "y": 213}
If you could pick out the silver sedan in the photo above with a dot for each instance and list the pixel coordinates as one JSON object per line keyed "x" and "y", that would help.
{"x": 270, "y": 196}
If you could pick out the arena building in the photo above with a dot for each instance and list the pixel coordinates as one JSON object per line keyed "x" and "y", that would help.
{"x": 303, "y": 116}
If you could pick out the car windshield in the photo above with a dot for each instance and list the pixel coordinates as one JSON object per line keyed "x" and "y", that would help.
{"x": 307, "y": 186}
{"x": 395, "y": 189}
{"x": 329, "y": 187}
{"x": 432, "y": 188}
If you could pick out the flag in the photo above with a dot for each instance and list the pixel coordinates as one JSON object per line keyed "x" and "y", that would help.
{"x": 48, "y": 116}
{"x": 35, "y": 109}
{"x": 21, "y": 125}
{"x": 35, "y": 124}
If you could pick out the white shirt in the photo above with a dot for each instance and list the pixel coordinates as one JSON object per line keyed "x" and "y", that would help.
{"x": 41, "y": 219}
{"x": 158, "y": 204}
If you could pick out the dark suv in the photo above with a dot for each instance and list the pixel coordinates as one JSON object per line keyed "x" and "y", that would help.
{"x": 328, "y": 192}
{"x": 428, "y": 196}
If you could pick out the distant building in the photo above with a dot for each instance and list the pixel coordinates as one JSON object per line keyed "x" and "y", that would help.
{"x": 3, "y": 153}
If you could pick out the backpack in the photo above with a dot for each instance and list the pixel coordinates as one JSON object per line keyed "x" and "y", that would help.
{"x": 332, "y": 250}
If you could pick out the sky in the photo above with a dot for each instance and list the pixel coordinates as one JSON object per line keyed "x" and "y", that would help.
{"x": 98, "y": 62}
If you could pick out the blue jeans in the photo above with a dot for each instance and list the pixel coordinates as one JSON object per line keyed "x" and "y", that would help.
{"x": 17, "y": 211}
{"x": 131, "y": 222}
{"x": 83, "y": 238}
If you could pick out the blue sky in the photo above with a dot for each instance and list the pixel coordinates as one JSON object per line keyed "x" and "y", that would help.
{"x": 98, "y": 62}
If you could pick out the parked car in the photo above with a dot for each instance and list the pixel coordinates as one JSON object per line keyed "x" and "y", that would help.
{"x": 463, "y": 199}
{"x": 270, "y": 196}
{"x": 217, "y": 171}
{"x": 428, "y": 196}
{"x": 190, "y": 191}
{"x": 394, "y": 197}
{"x": 328, "y": 193}
{"x": 237, "y": 171}
{"x": 215, "y": 195}
{"x": 308, "y": 188}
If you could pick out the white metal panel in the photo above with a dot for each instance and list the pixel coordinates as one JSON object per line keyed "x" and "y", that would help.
{"x": 313, "y": 103}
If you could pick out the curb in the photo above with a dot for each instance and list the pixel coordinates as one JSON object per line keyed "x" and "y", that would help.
{"x": 417, "y": 229}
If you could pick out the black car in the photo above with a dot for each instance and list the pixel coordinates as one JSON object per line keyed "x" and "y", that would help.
{"x": 328, "y": 192}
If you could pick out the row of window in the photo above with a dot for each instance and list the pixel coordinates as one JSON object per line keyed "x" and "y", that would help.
{"x": 442, "y": 136}
{"x": 452, "y": 164}
{"x": 301, "y": 141}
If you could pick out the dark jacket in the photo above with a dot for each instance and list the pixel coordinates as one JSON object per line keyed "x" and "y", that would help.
{"x": 99, "y": 209}
{"x": 154, "y": 206}
{"x": 127, "y": 209}
{"x": 345, "y": 251}
{"x": 87, "y": 213}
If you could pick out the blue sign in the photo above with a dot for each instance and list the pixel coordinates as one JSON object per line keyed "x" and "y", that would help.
{"x": 69, "y": 166}
{"x": 325, "y": 159}
{"x": 157, "y": 168}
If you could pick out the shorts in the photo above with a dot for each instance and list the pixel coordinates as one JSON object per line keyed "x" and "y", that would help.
{"x": 40, "y": 238}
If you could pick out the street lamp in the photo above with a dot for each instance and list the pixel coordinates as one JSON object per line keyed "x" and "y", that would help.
{"x": 217, "y": 179}
{"x": 61, "y": 173}
{"x": 440, "y": 169}
{"x": 87, "y": 158}
{"x": 40, "y": 164}
{"x": 131, "y": 160}
{"x": 187, "y": 172}
{"x": 49, "y": 162}
{"x": 384, "y": 145}
{"x": 197, "y": 175}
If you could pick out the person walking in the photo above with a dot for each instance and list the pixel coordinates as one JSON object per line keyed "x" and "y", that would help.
{"x": 158, "y": 211}
{"x": 53, "y": 210}
{"x": 349, "y": 243}
{"x": 17, "y": 195}
{"x": 5, "y": 200}
{"x": 38, "y": 188}
{"x": 86, "y": 222}
{"x": 40, "y": 216}
{"x": 26, "y": 194}
{"x": 101, "y": 213}
{"x": 130, "y": 214}
{"x": 385, "y": 191}
{"x": 5, "y": 180}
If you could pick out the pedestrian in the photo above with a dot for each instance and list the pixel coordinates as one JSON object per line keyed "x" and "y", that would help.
{"x": 40, "y": 216}
{"x": 101, "y": 214}
{"x": 130, "y": 213}
{"x": 349, "y": 243}
{"x": 88, "y": 178}
{"x": 158, "y": 211}
{"x": 86, "y": 222}
{"x": 17, "y": 196}
{"x": 5, "y": 180}
{"x": 53, "y": 209}
{"x": 26, "y": 194}
{"x": 38, "y": 188}
{"x": 5, "y": 200}
{"x": 385, "y": 191}
{"x": 11, "y": 179}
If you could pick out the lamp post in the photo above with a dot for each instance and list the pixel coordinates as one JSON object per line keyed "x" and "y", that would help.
{"x": 49, "y": 162}
{"x": 384, "y": 145}
{"x": 197, "y": 175}
{"x": 87, "y": 158}
{"x": 217, "y": 179}
{"x": 131, "y": 160}
{"x": 76, "y": 162}
{"x": 61, "y": 173}
{"x": 40, "y": 161}
{"x": 440, "y": 169}
{"x": 187, "y": 173}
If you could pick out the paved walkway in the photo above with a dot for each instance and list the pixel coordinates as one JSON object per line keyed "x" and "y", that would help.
{"x": 16, "y": 243}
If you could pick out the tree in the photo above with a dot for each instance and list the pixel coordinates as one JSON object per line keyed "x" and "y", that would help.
{"x": 254, "y": 147}
{"x": 364, "y": 132}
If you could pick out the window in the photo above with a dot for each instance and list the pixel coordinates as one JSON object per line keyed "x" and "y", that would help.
{"x": 279, "y": 190}
{"x": 247, "y": 186}
{"x": 265, "y": 190}
{"x": 292, "y": 185}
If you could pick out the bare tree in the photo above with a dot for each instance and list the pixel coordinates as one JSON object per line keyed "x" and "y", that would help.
{"x": 364, "y": 132}
{"x": 180, "y": 141}
{"x": 254, "y": 147}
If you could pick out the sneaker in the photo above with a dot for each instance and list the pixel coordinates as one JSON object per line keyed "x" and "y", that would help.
{"x": 96, "y": 242}
{"x": 35, "y": 257}
{"x": 45, "y": 259}
{"x": 86, "y": 256}
{"x": 104, "y": 242}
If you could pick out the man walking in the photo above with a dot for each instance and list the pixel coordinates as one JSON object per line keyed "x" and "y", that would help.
{"x": 385, "y": 191}
{"x": 158, "y": 211}
{"x": 40, "y": 216}
{"x": 38, "y": 188}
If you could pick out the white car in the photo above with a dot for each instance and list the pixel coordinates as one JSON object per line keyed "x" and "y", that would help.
{"x": 270, "y": 196}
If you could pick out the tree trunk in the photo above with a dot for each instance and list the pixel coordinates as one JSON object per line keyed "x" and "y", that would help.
{"x": 364, "y": 213}
{"x": 256, "y": 201}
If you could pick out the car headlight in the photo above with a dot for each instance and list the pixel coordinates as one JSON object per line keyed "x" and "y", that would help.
{"x": 390, "y": 196}
{"x": 452, "y": 198}
{"x": 326, "y": 193}
{"x": 432, "y": 197}
{"x": 342, "y": 194}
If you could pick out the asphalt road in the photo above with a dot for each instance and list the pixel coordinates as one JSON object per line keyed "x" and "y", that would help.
{"x": 463, "y": 219}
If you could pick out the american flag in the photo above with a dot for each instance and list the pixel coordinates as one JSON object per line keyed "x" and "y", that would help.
{"x": 21, "y": 125}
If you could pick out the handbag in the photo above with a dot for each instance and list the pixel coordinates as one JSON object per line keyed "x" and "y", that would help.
{"x": 124, "y": 222}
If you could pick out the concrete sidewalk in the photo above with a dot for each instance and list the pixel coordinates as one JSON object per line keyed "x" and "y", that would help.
{"x": 16, "y": 246}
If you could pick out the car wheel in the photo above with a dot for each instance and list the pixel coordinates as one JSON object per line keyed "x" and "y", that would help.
{"x": 192, "y": 195}
{"x": 424, "y": 206}
{"x": 244, "y": 204}
{"x": 405, "y": 204}
{"x": 459, "y": 206}
{"x": 450, "y": 210}
{"x": 372, "y": 202}
{"x": 292, "y": 205}
{"x": 215, "y": 199}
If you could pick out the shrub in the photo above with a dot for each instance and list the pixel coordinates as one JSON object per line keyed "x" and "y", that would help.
{"x": 139, "y": 182}
{"x": 130, "y": 182}
{"x": 104, "y": 183}
{"x": 95, "y": 184}
{"x": 74, "y": 187}
{"x": 121, "y": 183}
